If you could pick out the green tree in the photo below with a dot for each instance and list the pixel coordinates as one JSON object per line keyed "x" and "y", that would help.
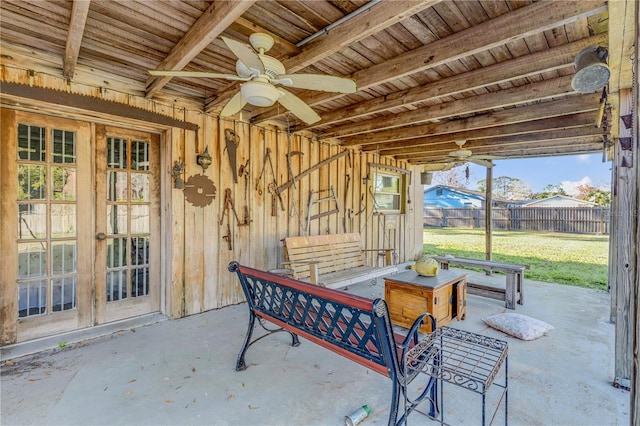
{"x": 599, "y": 197}
{"x": 550, "y": 191}
{"x": 507, "y": 188}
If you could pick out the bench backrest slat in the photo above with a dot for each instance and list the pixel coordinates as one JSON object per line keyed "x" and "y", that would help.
{"x": 344, "y": 323}
{"x": 332, "y": 253}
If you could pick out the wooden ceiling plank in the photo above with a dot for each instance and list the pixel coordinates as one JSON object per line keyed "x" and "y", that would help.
{"x": 572, "y": 146}
{"x": 210, "y": 25}
{"x": 551, "y": 59}
{"x": 364, "y": 25}
{"x": 546, "y": 89}
{"x": 569, "y": 146}
{"x": 493, "y": 145}
{"x": 542, "y": 125}
{"x": 523, "y": 22}
{"x": 375, "y": 20}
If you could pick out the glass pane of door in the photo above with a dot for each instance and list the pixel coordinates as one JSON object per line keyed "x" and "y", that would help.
{"x": 47, "y": 223}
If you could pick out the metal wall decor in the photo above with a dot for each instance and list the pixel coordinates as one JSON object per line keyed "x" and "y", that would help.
{"x": 199, "y": 190}
{"x": 204, "y": 159}
{"x": 176, "y": 174}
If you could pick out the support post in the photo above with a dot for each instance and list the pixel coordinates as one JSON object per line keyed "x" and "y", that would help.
{"x": 625, "y": 238}
{"x": 488, "y": 222}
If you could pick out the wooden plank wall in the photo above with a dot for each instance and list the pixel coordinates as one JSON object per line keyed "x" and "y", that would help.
{"x": 207, "y": 284}
{"x": 195, "y": 255}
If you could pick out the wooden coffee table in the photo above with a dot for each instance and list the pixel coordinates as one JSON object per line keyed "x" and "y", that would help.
{"x": 408, "y": 295}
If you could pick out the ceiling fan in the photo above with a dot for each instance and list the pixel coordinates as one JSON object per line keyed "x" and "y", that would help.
{"x": 462, "y": 155}
{"x": 261, "y": 73}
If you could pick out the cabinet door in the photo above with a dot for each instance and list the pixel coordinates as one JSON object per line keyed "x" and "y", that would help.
{"x": 442, "y": 306}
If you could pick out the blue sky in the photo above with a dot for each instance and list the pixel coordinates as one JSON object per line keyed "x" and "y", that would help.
{"x": 570, "y": 171}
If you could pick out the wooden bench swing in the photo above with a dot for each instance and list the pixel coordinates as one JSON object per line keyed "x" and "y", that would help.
{"x": 333, "y": 261}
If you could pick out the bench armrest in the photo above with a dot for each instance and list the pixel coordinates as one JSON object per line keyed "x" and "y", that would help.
{"x": 412, "y": 335}
{"x": 387, "y": 254}
{"x": 313, "y": 269}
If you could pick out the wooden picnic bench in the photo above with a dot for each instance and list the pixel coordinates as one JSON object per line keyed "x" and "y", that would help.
{"x": 333, "y": 261}
{"x": 355, "y": 327}
{"x": 514, "y": 289}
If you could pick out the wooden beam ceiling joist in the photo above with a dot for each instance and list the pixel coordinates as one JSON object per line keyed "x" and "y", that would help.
{"x": 79, "y": 12}
{"x": 574, "y": 104}
{"x": 209, "y": 25}
{"x": 577, "y": 146}
{"x": 362, "y": 26}
{"x": 526, "y": 21}
{"x": 498, "y": 144}
{"x": 581, "y": 120}
{"x": 502, "y": 72}
{"x": 534, "y": 92}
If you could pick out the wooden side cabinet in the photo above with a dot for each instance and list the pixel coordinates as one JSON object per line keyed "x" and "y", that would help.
{"x": 408, "y": 295}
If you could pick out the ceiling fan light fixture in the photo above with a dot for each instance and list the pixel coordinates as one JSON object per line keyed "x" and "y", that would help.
{"x": 259, "y": 93}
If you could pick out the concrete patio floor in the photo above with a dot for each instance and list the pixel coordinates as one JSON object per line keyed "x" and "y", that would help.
{"x": 181, "y": 372}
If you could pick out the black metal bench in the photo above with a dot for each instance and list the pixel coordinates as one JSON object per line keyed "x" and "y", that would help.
{"x": 355, "y": 327}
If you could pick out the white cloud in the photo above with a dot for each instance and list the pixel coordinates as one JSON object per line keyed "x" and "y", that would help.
{"x": 584, "y": 159}
{"x": 571, "y": 187}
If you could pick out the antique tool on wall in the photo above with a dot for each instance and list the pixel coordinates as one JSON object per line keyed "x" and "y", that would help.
{"x": 289, "y": 155}
{"x": 272, "y": 186}
{"x": 228, "y": 238}
{"x": 244, "y": 172}
{"x": 199, "y": 190}
{"x": 346, "y": 193}
{"x": 230, "y": 207}
{"x": 331, "y": 198}
{"x": 232, "y": 141}
{"x": 323, "y": 163}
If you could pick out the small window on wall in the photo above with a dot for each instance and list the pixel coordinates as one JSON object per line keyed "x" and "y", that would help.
{"x": 388, "y": 191}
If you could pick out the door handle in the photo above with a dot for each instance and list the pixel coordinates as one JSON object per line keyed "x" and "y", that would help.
{"x": 101, "y": 236}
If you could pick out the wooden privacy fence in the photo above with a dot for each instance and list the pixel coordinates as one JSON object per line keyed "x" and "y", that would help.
{"x": 580, "y": 220}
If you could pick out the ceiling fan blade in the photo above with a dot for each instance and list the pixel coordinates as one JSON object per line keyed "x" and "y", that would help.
{"x": 438, "y": 167}
{"x": 481, "y": 162}
{"x": 235, "y": 104}
{"x": 245, "y": 53}
{"x": 203, "y": 74}
{"x": 298, "y": 107}
{"x": 326, "y": 83}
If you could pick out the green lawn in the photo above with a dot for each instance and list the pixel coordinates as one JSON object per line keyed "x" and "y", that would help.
{"x": 573, "y": 259}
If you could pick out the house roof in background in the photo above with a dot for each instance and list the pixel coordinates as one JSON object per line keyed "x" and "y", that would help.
{"x": 560, "y": 201}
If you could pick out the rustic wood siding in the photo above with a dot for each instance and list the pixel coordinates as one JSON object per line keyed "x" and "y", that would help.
{"x": 195, "y": 257}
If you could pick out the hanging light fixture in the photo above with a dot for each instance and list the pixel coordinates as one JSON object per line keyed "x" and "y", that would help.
{"x": 592, "y": 72}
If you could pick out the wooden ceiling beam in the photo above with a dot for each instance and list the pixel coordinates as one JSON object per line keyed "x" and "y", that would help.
{"x": 79, "y": 13}
{"x": 376, "y": 19}
{"x": 209, "y": 25}
{"x": 533, "y": 92}
{"x": 576, "y": 146}
{"x": 574, "y": 104}
{"x": 529, "y": 127}
{"x": 502, "y": 72}
{"x": 498, "y": 144}
{"x": 526, "y": 21}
